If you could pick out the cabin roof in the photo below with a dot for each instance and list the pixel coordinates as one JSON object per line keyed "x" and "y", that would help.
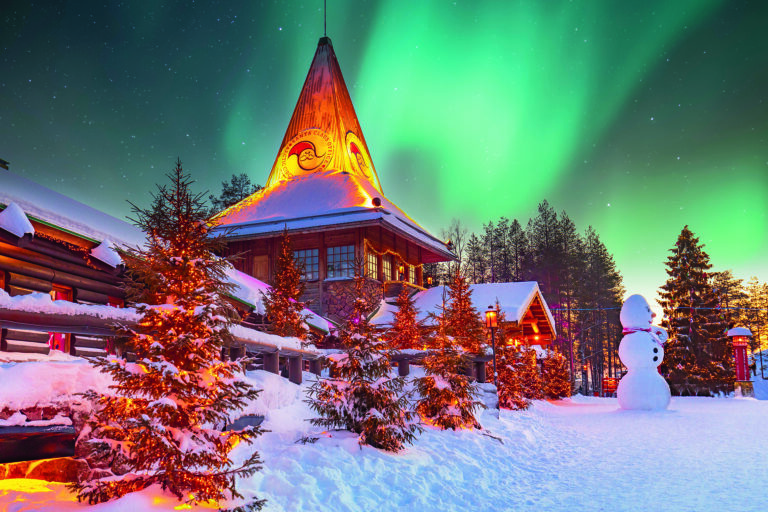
{"x": 515, "y": 301}
{"x": 49, "y": 207}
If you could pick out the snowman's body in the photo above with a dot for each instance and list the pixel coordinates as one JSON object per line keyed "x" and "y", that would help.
{"x": 641, "y": 351}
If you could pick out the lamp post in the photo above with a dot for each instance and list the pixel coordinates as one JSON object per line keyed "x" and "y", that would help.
{"x": 492, "y": 322}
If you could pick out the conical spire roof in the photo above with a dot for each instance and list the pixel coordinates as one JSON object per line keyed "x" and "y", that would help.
{"x": 323, "y": 174}
{"x": 324, "y": 135}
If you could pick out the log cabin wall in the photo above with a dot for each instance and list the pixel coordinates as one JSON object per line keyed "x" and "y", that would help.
{"x": 30, "y": 264}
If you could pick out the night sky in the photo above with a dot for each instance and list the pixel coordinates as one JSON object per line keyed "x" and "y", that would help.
{"x": 634, "y": 117}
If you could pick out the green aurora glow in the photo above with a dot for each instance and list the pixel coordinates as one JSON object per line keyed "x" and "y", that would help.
{"x": 634, "y": 117}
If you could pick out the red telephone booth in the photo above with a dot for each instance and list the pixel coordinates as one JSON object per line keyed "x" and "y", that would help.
{"x": 740, "y": 339}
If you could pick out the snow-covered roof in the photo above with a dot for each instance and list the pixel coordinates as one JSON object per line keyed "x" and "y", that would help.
{"x": 739, "y": 331}
{"x": 318, "y": 200}
{"x": 43, "y": 204}
{"x": 514, "y": 300}
{"x": 323, "y": 174}
{"x": 14, "y": 220}
{"x": 251, "y": 291}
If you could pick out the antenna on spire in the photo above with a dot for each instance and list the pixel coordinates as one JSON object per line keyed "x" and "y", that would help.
{"x": 325, "y": 18}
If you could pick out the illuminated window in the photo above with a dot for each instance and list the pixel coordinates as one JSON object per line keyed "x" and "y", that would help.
{"x": 308, "y": 260}
{"x": 341, "y": 261}
{"x": 411, "y": 274}
{"x": 372, "y": 265}
{"x": 387, "y": 267}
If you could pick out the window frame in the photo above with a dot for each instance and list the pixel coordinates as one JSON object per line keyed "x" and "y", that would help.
{"x": 308, "y": 263}
{"x": 340, "y": 261}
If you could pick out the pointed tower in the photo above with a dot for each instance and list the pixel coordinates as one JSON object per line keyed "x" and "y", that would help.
{"x": 324, "y": 189}
{"x": 324, "y": 133}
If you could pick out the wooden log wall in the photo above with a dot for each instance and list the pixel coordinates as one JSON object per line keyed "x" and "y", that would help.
{"x": 31, "y": 265}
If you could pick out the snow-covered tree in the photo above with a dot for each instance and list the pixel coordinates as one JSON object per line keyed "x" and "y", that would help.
{"x": 447, "y": 399}
{"x": 405, "y": 332}
{"x": 161, "y": 422}
{"x": 510, "y": 383}
{"x": 556, "y": 380}
{"x": 462, "y": 319}
{"x": 282, "y": 301}
{"x": 530, "y": 378}
{"x": 697, "y": 356}
{"x": 361, "y": 395}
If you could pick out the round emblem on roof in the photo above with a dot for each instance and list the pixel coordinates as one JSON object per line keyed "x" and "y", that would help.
{"x": 309, "y": 151}
{"x": 361, "y": 161}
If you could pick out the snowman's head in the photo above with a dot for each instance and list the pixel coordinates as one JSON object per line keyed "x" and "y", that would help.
{"x": 636, "y": 313}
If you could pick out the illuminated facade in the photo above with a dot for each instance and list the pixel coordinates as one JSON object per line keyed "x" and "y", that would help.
{"x": 323, "y": 188}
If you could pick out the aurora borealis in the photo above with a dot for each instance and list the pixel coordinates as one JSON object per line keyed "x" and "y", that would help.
{"x": 634, "y": 117}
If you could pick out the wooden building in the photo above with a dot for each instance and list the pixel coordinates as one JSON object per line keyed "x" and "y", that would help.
{"x": 324, "y": 190}
{"x": 528, "y": 320}
{"x": 51, "y": 244}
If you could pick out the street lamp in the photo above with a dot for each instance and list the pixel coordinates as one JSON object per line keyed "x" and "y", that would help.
{"x": 492, "y": 322}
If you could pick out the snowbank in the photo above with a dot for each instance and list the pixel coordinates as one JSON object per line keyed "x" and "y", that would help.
{"x": 578, "y": 454}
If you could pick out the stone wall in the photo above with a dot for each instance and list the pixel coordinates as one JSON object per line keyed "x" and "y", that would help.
{"x": 339, "y": 297}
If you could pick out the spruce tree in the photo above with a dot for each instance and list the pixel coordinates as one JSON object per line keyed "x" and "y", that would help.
{"x": 556, "y": 380}
{"x": 529, "y": 375}
{"x": 447, "y": 398}
{"x": 361, "y": 396}
{"x": 405, "y": 333}
{"x": 160, "y": 423}
{"x": 510, "y": 367}
{"x": 238, "y": 188}
{"x": 462, "y": 319}
{"x": 283, "y": 300}
{"x": 697, "y": 357}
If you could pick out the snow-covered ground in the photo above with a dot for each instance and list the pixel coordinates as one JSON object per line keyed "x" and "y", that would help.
{"x": 577, "y": 454}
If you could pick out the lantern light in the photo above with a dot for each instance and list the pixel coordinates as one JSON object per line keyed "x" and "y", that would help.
{"x": 491, "y": 318}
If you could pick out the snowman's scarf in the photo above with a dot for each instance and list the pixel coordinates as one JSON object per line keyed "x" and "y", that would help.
{"x": 630, "y": 330}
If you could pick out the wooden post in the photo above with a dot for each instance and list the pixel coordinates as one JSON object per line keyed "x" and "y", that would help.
{"x": 3, "y": 342}
{"x": 295, "y": 364}
{"x": 403, "y": 367}
{"x": 72, "y": 338}
{"x": 315, "y": 366}
{"x": 480, "y": 371}
{"x": 271, "y": 362}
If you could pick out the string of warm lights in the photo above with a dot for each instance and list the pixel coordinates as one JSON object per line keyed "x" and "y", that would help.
{"x": 399, "y": 256}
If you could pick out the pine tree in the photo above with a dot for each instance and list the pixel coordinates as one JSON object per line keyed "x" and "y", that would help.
{"x": 158, "y": 425}
{"x": 462, "y": 319}
{"x": 529, "y": 375}
{"x": 283, "y": 301}
{"x": 238, "y": 188}
{"x": 405, "y": 333}
{"x": 361, "y": 396}
{"x": 697, "y": 357}
{"x": 447, "y": 398}
{"x": 510, "y": 389}
{"x": 555, "y": 377}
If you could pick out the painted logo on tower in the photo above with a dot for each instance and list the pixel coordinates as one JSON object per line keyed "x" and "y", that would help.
{"x": 361, "y": 161}
{"x": 309, "y": 151}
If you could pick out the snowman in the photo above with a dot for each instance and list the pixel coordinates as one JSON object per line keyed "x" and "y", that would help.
{"x": 641, "y": 352}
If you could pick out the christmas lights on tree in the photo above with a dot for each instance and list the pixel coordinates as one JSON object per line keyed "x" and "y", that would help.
{"x": 282, "y": 301}
{"x": 161, "y": 423}
{"x": 555, "y": 378}
{"x": 405, "y": 333}
{"x": 462, "y": 319}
